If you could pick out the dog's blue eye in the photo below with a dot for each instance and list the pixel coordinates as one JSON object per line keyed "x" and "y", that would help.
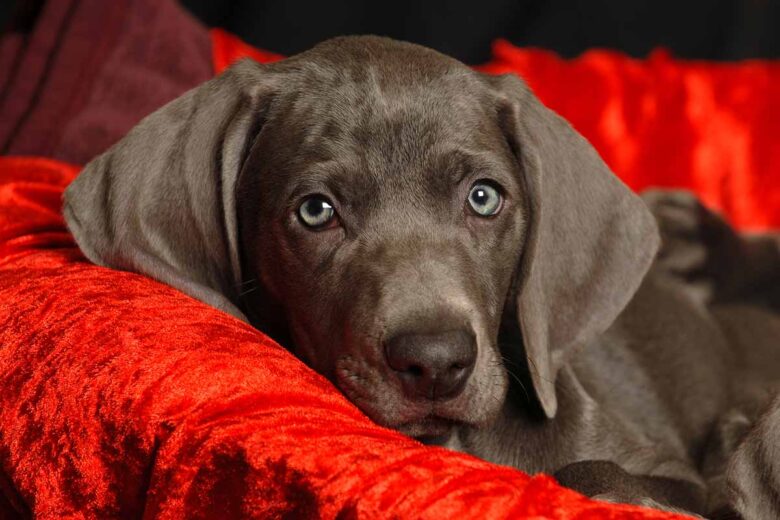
{"x": 316, "y": 211}
{"x": 485, "y": 199}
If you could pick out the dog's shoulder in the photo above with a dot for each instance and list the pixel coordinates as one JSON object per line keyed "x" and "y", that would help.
{"x": 667, "y": 347}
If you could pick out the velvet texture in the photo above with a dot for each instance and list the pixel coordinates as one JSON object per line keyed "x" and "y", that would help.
{"x": 122, "y": 397}
{"x": 711, "y": 128}
{"x": 90, "y": 70}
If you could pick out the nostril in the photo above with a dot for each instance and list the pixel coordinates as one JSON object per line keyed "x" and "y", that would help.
{"x": 415, "y": 371}
{"x": 412, "y": 371}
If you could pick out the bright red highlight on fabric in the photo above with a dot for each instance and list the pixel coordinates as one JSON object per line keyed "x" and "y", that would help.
{"x": 120, "y": 395}
{"x": 711, "y": 128}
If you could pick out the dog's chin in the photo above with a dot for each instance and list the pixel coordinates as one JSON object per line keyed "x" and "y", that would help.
{"x": 431, "y": 422}
{"x": 430, "y": 430}
{"x": 425, "y": 422}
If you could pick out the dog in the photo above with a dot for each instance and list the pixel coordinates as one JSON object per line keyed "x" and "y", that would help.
{"x": 456, "y": 259}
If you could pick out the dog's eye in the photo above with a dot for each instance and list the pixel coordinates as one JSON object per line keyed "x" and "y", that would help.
{"x": 316, "y": 212}
{"x": 485, "y": 199}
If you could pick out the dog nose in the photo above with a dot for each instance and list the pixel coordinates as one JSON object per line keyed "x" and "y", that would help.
{"x": 432, "y": 366}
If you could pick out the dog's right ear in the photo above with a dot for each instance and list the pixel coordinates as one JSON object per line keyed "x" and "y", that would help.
{"x": 162, "y": 201}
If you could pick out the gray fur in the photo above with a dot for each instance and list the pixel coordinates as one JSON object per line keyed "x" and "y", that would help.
{"x": 592, "y": 361}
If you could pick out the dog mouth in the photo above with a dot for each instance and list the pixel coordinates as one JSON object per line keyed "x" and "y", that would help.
{"x": 435, "y": 423}
{"x": 431, "y": 430}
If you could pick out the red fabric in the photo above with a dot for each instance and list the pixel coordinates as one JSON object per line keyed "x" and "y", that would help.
{"x": 226, "y": 49}
{"x": 709, "y": 127}
{"x": 122, "y": 395}
{"x": 91, "y": 69}
{"x": 712, "y": 128}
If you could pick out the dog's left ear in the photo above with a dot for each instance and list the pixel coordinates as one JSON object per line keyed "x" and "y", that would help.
{"x": 162, "y": 201}
{"x": 589, "y": 243}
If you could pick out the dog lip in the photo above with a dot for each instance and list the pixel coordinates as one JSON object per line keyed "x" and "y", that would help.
{"x": 439, "y": 440}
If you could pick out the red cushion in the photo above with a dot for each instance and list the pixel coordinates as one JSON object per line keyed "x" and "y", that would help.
{"x": 121, "y": 394}
{"x": 709, "y": 127}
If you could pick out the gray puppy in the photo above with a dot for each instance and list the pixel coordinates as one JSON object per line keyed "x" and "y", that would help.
{"x": 449, "y": 252}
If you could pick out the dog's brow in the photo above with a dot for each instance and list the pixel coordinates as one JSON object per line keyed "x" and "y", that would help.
{"x": 462, "y": 163}
{"x": 316, "y": 176}
{"x": 328, "y": 177}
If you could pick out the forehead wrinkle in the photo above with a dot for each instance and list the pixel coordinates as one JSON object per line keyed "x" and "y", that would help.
{"x": 396, "y": 157}
{"x": 396, "y": 134}
{"x": 482, "y": 160}
{"x": 339, "y": 176}
{"x": 366, "y": 99}
{"x": 392, "y": 139}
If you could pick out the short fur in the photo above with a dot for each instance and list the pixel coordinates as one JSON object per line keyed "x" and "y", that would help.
{"x": 592, "y": 361}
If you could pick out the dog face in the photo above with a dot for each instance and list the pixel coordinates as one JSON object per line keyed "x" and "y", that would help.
{"x": 389, "y": 232}
{"x": 386, "y": 206}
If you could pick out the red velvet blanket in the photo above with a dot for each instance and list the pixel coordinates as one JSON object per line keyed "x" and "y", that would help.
{"x": 123, "y": 397}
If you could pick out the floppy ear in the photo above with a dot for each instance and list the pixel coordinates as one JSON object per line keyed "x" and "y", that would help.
{"x": 162, "y": 201}
{"x": 590, "y": 240}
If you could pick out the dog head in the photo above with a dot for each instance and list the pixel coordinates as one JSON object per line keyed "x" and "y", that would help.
{"x": 382, "y": 209}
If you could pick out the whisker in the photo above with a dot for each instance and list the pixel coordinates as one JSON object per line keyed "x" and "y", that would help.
{"x": 503, "y": 363}
{"x": 251, "y": 289}
{"x": 519, "y": 382}
{"x": 246, "y": 282}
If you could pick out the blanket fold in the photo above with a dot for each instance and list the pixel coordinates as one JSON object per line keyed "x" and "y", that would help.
{"x": 92, "y": 69}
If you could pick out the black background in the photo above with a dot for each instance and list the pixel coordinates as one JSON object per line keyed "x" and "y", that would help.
{"x": 709, "y": 29}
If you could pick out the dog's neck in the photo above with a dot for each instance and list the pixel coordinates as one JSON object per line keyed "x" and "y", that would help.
{"x": 522, "y": 436}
